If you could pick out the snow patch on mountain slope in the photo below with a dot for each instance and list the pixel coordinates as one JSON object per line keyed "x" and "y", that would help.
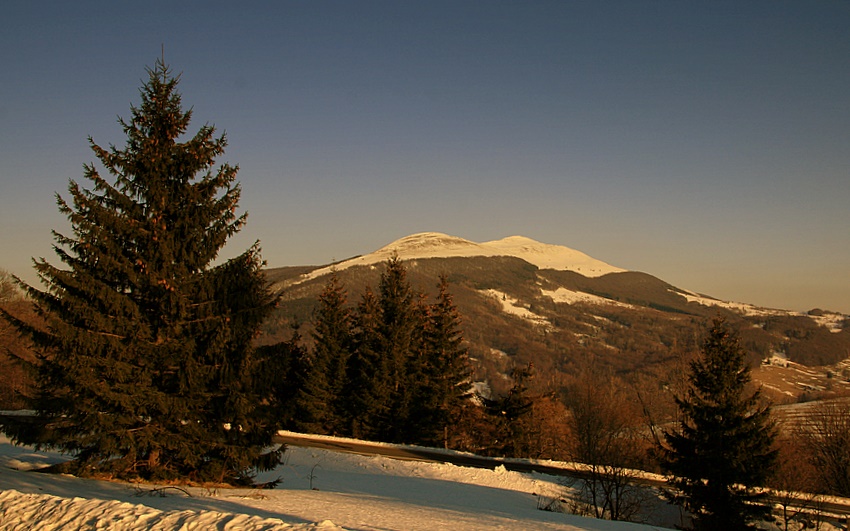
{"x": 515, "y": 307}
{"x": 738, "y": 307}
{"x": 522, "y": 310}
{"x": 438, "y": 245}
{"x": 834, "y": 322}
{"x": 568, "y": 296}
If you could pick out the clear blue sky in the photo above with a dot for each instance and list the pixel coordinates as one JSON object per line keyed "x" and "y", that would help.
{"x": 706, "y": 143}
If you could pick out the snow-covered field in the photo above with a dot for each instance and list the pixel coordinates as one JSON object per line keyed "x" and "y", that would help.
{"x": 321, "y": 490}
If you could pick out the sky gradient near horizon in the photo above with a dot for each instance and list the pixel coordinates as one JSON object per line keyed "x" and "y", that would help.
{"x": 705, "y": 143}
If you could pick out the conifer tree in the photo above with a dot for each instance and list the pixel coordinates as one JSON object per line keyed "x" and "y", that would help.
{"x": 397, "y": 345}
{"x": 415, "y": 418}
{"x": 146, "y": 366}
{"x": 513, "y": 408}
{"x": 368, "y": 385}
{"x": 723, "y": 448}
{"x": 321, "y": 402}
{"x": 446, "y": 371}
{"x": 282, "y": 375}
{"x": 506, "y": 433}
{"x": 408, "y": 370}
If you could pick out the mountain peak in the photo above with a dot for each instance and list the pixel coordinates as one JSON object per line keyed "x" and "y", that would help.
{"x": 426, "y": 244}
{"x": 547, "y": 256}
{"x": 439, "y": 245}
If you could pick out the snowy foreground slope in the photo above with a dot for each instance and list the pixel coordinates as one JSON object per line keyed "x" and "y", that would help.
{"x": 321, "y": 490}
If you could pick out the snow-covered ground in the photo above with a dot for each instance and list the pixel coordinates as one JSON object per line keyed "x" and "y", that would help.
{"x": 568, "y": 296}
{"x": 515, "y": 307}
{"x": 320, "y": 490}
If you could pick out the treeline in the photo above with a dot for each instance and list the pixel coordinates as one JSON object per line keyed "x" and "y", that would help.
{"x": 394, "y": 368}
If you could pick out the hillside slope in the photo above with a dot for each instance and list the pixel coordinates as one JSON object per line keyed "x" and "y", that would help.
{"x": 529, "y": 302}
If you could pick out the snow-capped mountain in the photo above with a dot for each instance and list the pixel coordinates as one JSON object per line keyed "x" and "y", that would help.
{"x": 524, "y": 300}
{"x": 544, "y": 256}
{"x": 438, "y": 245}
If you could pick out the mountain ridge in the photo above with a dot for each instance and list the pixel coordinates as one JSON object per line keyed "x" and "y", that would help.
{"x": 542, "y": 255}
{"x": 440, "y": 245}
{"x": 528, "y": 302}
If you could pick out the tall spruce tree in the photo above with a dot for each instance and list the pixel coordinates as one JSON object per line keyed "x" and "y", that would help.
{"x": 399, "y": 324}
{"x": 368, "y": 386}
{"x": 146, "y": 367}
{"x": 284, "y": 373}
{"x": 445, "y": 369}
{"x": 723, "y": 448}
{"x": 320, "y": 402}
{"x": 511, "y": 410}
{"x": 416, "y": 421}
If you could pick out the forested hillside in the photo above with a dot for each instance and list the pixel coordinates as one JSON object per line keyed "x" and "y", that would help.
{"x": 637, "y": 325}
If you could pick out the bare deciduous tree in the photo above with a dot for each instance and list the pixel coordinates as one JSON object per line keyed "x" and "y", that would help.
{"x": 607, "y": 437}
{"x": 825, "y": 432}
{"x": 795, "y": 483}
{"x": 546, "y": 429}
{"x": 14, "y": 349}
{"x": 8, "y": 289}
